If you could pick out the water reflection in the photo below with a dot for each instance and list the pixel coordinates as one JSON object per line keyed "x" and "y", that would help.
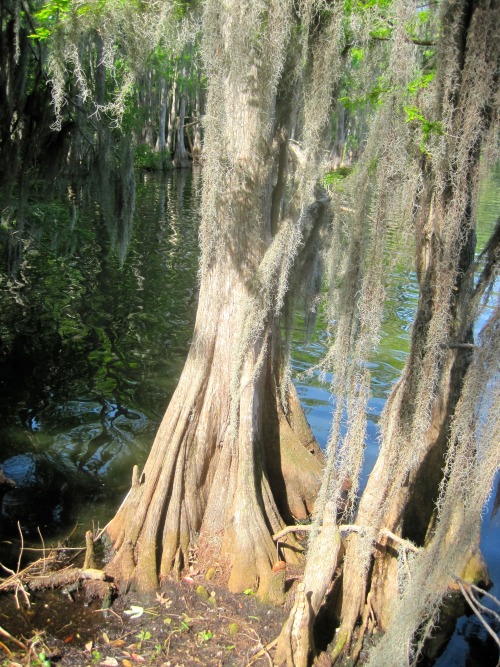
{"x": 93, "y": 333}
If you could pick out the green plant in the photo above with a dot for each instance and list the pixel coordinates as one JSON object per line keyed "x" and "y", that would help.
{"x": 96, "y": 656}
{"x": 41, "y": 660}
{"x": 146, "y": 158}
{"x": 334, "y": 177}
{"x": 47, "y": 18}
{"x": 158, "y": 649}
{"x": 428, "y": 127}
{"x": 143, "y": 636}
{"x": 38, "y": 651}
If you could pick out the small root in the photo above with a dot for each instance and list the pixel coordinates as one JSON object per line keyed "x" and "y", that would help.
{"x": 6, "y": 634}
{"x": 367, "y": 619}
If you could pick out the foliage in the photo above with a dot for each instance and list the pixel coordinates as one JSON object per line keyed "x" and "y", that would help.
{"x": 146, "y": 158}
{"x": 428, "y": 127}
{"x": 334, "y": 177}
{"x": 49, "y": 16}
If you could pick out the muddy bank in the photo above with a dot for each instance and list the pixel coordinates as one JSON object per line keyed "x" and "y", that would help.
{"x": 186, "y": 624}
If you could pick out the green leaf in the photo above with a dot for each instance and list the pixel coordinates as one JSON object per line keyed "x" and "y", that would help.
{"x": 428, "y": 127}
{"x": 420, "y": 82}
{"x": 413, "y": 113}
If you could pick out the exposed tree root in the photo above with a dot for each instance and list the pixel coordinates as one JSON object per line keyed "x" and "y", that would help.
{"x": 295, "y": 642}
{"x": 367, "y": 616}
{"x": 68, "y": 575}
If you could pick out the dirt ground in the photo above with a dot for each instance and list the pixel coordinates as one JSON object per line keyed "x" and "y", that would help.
{"x": 193, "y": 622}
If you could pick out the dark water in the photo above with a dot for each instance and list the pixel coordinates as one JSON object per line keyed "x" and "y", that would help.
{"x": 96, "y": 313}
{"x": 94, "y": 327}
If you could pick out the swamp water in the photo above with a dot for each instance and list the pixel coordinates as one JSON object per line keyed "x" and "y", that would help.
{"x": 97, "y": 304}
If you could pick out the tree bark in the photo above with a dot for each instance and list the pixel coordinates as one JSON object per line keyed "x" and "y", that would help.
{"x": 161, "y": 144}
{"x": 296, "y": 642}
{"x": 202, "y": 490}
{"x": 172, "y": 118}
{"x": 181, "y": 159}
{"x": 197, "y": 145}
{"x": 233, "y": 457}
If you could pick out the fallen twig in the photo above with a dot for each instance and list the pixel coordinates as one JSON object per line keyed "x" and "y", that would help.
{"x": 6, "y": 649}
{"x": 53, "y": 580}
{"x": 12, "y": 639}
{"x": 406, "y": 544}
{"x": 262, "y": 651}
{"x": 306, "y": 528}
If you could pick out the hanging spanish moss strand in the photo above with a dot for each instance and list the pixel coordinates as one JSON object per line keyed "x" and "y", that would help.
{"x": 116, "y": 23}
{"x": 471, "y": 465}
{"x": 224, "y": 167}
{"x": 469, "y": 107}
{"x": 371, "y": 202}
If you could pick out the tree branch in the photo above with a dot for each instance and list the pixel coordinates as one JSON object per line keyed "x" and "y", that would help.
{"x": 349, "y": 528}
{"x": 475, "y": 609}
{"x": 418, "y": 42}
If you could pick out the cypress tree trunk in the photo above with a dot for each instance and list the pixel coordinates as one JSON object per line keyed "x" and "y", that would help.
{"x": 181, "y": 159}
{"x": 233, "y": 457}
{"x": 161, "y": 143}
{"x": 396, "y": 499}
{"x": 197, "y": 147}
{"x": 198, "y": 480}
{"x": 172, "y": 117}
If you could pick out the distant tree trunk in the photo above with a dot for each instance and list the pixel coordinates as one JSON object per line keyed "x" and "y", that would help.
{"x": 100, "y": 72}
{"x": 172, "y": 119}
{"x": 161, "y": 144}
{"x": 403, "y": 488}
{"x": 339, "y": 146}
{"x": 181, "y": 158}
{"x": 234, "y": 456}
{"x": 197, "y": 147}
{"x": 147, "y": 104}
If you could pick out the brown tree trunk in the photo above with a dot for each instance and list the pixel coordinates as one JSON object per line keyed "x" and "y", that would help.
{"x": 296, "y": 642}
{"x": 181, "y": 159}
{"x": 161, "y": 144}
{"x": 232, "y": 459}
{"x": 203, "y": 489}
{"x": 172, "y": 117}
{"x": 197, "y": 146}
{"x": 146, "y": 102}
